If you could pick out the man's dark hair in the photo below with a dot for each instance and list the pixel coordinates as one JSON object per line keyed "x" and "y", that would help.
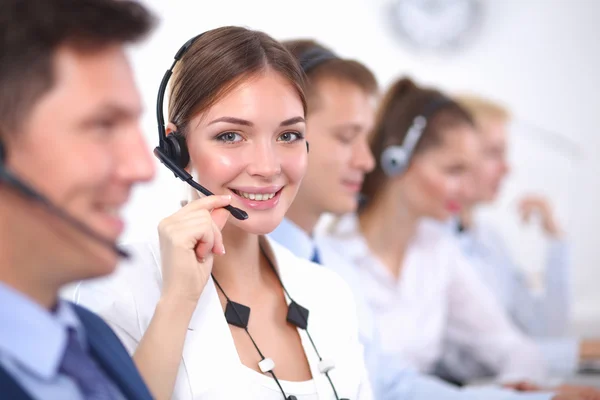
{"x": 31, "y": 31}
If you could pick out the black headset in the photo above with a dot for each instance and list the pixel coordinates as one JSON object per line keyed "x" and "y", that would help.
{"x": 30, "y": 193}
{"x": 315, "y": 56}
{"x": 395, "y": 159}
{"x": 312, "y": 58}
{"x": 172, "y": 149}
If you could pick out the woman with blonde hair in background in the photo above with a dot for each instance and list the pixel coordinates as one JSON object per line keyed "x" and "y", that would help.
{"x": 544, "y": 316}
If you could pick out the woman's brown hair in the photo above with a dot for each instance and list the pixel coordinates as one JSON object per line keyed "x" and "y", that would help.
{"x": 402, "y": 103}
{"x": 217, "y": 62}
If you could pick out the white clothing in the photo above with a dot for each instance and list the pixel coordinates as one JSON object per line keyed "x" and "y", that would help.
{"x": 437, "y": 300}
{"x": 211, "y": 368}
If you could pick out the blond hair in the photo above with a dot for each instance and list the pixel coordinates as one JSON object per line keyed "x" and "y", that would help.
{"x": 482, "y": 109}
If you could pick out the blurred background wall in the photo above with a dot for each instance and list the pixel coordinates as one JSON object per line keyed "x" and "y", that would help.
{"x": 540, "y": 58}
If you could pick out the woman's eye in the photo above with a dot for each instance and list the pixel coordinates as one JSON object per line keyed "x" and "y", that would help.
{"x": 290, "y": 136}
{"x": 229, "y": 137}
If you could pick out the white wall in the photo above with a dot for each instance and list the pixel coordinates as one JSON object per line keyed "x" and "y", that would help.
{"x": 539, "y": 57}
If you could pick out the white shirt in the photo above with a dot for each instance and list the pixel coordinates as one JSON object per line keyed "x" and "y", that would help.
{"x": 537, "y": 314}
{"x": 391, "y": 377}
{"x": 542, "y": 316}
{"x": 211, "y": 368}
{"x": 437, "y": 301}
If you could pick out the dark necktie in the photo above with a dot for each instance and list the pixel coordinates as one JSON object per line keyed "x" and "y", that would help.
{"x": 316, "y": 258}
{"x": 79, "y": 366}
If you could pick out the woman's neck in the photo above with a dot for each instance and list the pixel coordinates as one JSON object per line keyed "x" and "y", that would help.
{"x": 240, "y": 270}
{"x": 466, "y": 218}
{"x": 388, "y": 227}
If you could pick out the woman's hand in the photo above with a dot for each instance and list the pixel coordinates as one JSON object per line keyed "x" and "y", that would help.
{"x": 188, "y": 241}
{"x": 523, "y": 386}
{"x": 530, "y": 205}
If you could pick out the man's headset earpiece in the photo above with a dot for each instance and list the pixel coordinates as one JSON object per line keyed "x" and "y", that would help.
{"x": 172, "y": 150}
{"x": 395, "y": 159}
{"x": 27, "y": 191}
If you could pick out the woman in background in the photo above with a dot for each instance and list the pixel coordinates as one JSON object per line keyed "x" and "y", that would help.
{"x": 543, "y": 316}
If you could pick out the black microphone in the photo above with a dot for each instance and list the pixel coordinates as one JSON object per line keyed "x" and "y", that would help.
{"x": 189, "y": 179}
{"x": 30, "y": 193}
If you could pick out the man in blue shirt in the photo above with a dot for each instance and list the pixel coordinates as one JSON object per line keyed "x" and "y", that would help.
{"x": 70, "y": 151}
{"x": 341, "y": 97}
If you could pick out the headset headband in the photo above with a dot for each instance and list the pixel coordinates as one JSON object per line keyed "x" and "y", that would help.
{"x": 162, "y": 134}
{"x": 315, "y": 56}
{"x": 419, "y": 123}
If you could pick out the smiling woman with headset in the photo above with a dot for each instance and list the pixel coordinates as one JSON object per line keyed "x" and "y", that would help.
{"x": 212, "y": 309}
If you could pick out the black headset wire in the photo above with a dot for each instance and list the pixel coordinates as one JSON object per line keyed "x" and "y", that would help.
{"x": 262, "y": 357}
{"x": 303, "y": 317}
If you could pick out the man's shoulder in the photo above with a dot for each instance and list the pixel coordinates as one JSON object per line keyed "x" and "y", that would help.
{"x": 86, "y": 316}
{"x": 93, "y": 323}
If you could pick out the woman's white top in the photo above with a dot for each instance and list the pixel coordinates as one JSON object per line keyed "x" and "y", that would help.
{"x": 211, "y": 368}
{"x": 437, "y": 301}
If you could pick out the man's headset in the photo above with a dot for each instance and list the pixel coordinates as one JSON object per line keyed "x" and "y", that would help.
{"x": 29, "y": 192}
{"x": 312, "y": 58}
{"x": 395, "y": 159}
{"x": 315, "y": 56}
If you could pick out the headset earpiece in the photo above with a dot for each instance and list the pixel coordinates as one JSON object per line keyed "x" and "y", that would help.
{"x": 307, "y": 148}
{"x": 176, "y": 149}
{"x": 172, "y": 150}
{"x": 394, "y": 160}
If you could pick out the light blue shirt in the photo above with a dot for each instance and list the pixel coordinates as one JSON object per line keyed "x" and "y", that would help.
{"x": 391, "y": 378}
{"x": 32, "y": 345}
{"x": 544, "y": 316}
